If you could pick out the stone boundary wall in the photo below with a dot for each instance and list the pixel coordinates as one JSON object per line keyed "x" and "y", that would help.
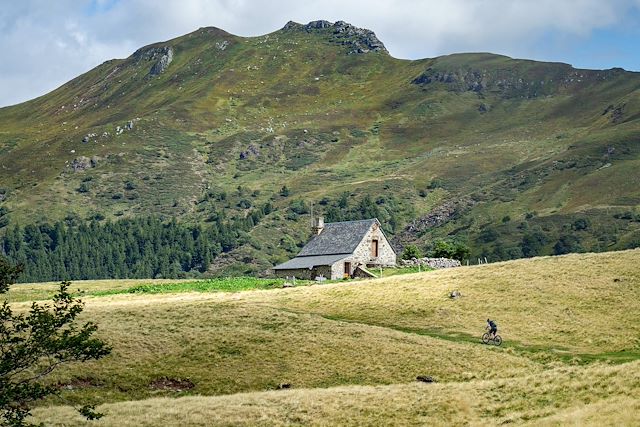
{"x": 436, "y": 263}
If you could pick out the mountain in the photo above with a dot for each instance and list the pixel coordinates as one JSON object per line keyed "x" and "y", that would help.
{"x": 512, "y": 157}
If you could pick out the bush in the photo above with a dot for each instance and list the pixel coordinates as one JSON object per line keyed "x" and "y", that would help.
{"x": 488, "y": 235}
{"x": 436, "y": 183}
{"x": 244, "y": 204}
{"x": 444, "y": 249}
{"x": 299, "y": 207}
{"x": 533, "y": 243}
{"x": 288, "y": 244}
{"x": 567, "y": 244}
{"x": 580, "y": 224}
{"x": 411, "y": 251}
{"x": 84, "y": 188}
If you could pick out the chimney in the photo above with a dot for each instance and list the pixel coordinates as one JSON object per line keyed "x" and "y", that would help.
{"x": 318, "y": 225}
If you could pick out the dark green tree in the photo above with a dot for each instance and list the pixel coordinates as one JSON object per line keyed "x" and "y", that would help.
{"x": 411, "y": 251}
{"x": 453, "y": 250}
{"x": 35, "y": 343}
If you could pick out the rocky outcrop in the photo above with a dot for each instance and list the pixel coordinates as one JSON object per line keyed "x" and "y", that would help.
{"x": 438, "y": 216}
{"x": 83, "y": 163}
{"x": 360, "y": 39}
{"x": 161, "y": 65}
{"x": 318, "y": 25}
{"x": 517, "y": 81}
{"x": 436, "y": 263}
{"x": 357, "y": 40}
{"x": 616, "y": 113}
{"x": 251, "y": 151}
{"x": 222, "y": 45}
{"x": 162, "y": 57}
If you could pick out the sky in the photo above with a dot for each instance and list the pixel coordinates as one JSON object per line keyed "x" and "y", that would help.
{"x": 45, "y": 43}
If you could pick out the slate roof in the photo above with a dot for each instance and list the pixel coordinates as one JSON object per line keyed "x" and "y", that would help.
{"x": 336, "y": 241}
{"x": 310, "y": 261}
{"x": 338, "y": 238}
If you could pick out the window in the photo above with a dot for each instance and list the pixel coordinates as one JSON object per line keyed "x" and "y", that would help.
{"x": 374, "y": 248}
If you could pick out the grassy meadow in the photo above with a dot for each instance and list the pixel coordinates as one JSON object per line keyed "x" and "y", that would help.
{"x": 351, "y": 351}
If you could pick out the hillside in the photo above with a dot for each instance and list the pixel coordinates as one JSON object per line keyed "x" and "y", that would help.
{"x": 352, "y": 351}
{"x": 513, "y": 157}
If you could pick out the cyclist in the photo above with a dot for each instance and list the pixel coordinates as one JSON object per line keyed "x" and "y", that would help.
{"x": 493, "y": 328}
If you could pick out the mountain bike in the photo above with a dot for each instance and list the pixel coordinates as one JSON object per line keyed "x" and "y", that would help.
{"x": 488, "y": 338}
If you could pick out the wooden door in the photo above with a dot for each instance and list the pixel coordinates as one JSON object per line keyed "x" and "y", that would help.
{"x": 347, "y": 269}
{"x": 374, "y": 248}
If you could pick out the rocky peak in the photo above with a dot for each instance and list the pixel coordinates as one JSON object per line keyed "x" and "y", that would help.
{"x": 358, "y": 40}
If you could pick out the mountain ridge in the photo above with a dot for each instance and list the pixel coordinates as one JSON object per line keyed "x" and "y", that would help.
{"x": 500, "y": 153}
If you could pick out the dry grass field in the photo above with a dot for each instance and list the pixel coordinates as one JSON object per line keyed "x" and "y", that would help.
{"x": 596, "y": 395}
{"x": 351, "y": 351}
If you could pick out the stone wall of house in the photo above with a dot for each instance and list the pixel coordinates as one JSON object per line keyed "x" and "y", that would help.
{"x": 337, "y": 269}
{"x": 305, "y": 273}
{"x": 386, "y": 255}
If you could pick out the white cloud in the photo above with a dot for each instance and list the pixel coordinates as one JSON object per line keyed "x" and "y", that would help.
{"x": 46, "y": 43}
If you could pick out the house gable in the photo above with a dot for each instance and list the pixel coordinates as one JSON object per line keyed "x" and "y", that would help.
{"x": 374, "y": 241}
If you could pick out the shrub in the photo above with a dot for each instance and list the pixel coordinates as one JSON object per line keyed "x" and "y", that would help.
{"x": 411, "y": 251}
{"x": 488, "y": 235}
{"x": 567, "y": 244}
{"x": 244, "y": 204}
{"x": 299, "y": 207}
{"x": 581, "y": 224}
{"x": 532, "y": 243}
{"x": 444, "y": 249}
{"x": 84, "y": 188}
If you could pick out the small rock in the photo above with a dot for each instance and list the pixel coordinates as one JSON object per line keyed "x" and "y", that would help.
{"x": 426, "y": 379}
{"x": 455, "y": 294}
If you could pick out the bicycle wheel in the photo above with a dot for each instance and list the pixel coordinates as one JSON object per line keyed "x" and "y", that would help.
{"x": 497, "y": 340}
{"x": 485, "y": 338}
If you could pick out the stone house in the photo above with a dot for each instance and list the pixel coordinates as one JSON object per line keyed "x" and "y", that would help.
{"x": 340, "y": 249}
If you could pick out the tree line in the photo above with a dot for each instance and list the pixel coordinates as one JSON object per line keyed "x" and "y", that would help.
{"x": 146, "y": 247}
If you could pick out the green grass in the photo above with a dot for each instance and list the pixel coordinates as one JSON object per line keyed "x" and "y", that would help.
{"x": 224, "y": 284}
{"x": 387, "y": 272}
